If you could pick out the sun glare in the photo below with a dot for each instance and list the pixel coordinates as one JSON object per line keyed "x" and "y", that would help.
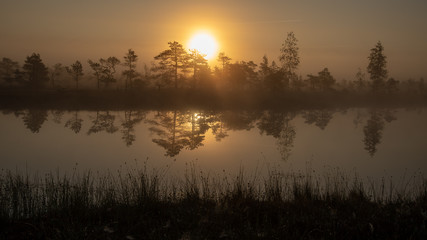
{"x": 204, "y": 43}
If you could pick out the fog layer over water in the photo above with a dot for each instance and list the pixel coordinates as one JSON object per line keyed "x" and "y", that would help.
{"x": 373, "y": 143}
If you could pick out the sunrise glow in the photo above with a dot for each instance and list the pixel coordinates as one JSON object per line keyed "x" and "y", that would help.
{"x": 205, "y": 43}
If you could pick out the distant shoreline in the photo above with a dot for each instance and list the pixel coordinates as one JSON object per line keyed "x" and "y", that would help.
{"x": 202, "y": 99}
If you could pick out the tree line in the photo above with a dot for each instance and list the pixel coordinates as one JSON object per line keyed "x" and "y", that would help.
{"x": 178, "y": 68}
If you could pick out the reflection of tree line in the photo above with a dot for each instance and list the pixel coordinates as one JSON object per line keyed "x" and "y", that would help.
{"x": 101, "y": 121}
{"x": 177, "y": 130}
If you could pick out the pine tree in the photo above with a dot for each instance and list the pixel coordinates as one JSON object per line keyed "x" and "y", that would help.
{"x": 289, "y": 56}
{"x": 130, "y": 63}
{"x": 175, "y": 58}
{"x": 377, "y": 67}
{"x": 36, "y": 71}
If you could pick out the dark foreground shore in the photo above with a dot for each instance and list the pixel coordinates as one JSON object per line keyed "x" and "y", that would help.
{"x": 139, "y": 205}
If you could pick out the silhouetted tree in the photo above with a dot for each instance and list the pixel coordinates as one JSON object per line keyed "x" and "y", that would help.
{"x": 264, "y": 72}
{"x": 36, "y": 71}
{"x": 108, "y": 67}
{"x": 197, "y": 62}
{"x": 289, "y": 58}
{"x": 162, "y": 75}
{"x": 264, "y": 67}
{"x": 75, "y": 123}
{"x": 142, "y": 80}
{"x": 241, "y": 74}
{"x": 323, "y": 81}
{"x": 55, "y": 72}
{"x": 8, "y": 69}
{"x": 97, "y": 71}
{"x": 237, "y": 76}
{"x": 251, "y": 74}
{"x": 130, "y": 63}
{"x": 75, "y": 71}
{"x": 173, "y": 59}
{"x": 289, "y": 54}
{"x": 377, "y": 67}
{"x": 326, "y": 80}
{"x": 34, "y": 119}
{"x": 205, "y": 77}
{"x": 20, "y": 77}
{"x": 272, "y": 75}
{"x": 224, "y": 60}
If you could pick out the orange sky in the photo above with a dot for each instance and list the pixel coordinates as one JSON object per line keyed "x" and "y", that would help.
{"x": 332, "y": 33}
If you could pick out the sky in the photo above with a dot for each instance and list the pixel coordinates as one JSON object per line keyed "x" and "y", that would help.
{"x": 337, "y": 34}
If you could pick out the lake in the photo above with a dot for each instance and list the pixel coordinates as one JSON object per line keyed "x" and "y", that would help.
{"x": 372, "y": 143}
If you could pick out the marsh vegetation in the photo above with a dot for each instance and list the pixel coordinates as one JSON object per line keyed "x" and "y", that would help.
{"x": 144, "y": 203}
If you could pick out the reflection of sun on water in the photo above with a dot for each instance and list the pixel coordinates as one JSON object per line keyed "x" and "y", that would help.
{"x": 205, "y": 43}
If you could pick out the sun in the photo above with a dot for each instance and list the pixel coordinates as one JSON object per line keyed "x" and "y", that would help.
{"x": 205, "y": 43}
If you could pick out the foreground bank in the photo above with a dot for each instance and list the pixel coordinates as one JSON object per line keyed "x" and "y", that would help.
{"x": 143, "y": 204}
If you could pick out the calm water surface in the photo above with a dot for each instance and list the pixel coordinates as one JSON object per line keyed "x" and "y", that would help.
{"x": 369, "y": 142}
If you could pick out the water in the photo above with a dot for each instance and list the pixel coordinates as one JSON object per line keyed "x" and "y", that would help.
{"x": 370, "y": 142}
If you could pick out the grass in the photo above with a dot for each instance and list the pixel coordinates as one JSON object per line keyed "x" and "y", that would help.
{"x": 146, "y": 204}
